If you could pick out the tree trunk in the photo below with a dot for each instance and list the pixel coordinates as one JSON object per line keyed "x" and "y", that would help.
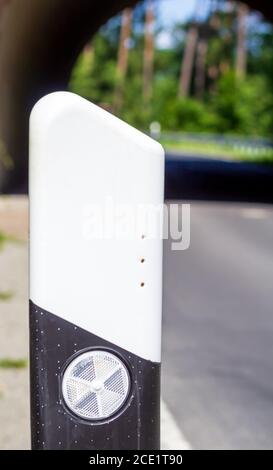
{"x": 123, "y": 54}
{"x": 188, "y": 62}
{"x": 241, "y": 53}
{"x": 148, "y": 60}
{"x": 200, "y": 77}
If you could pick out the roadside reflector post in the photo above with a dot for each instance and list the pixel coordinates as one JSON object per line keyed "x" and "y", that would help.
{"x": 95, "y": 279}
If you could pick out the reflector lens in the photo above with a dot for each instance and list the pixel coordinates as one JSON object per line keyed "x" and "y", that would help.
{"x": 95, "y": 385}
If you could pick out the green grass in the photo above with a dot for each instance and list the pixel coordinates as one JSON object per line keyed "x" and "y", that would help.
{"x": 5, "y": 238}
{"x": 6, "y": 295}
{"x": 9, "y": 363}
{"x": 219, "y": 150}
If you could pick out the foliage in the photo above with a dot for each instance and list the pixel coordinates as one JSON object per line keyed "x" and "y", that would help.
{"x": 243, "y": 106}
{"x": 230, "y": 105}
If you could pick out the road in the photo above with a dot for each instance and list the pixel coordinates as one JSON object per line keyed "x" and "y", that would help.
{"x": 218, "y": 328}
{"x": 217, "y": 376}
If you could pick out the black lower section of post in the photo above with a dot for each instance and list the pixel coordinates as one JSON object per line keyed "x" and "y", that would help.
{"x": 53, "y": 342}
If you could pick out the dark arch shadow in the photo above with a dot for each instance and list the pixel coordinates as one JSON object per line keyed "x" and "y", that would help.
{"x": 40, "y": 41}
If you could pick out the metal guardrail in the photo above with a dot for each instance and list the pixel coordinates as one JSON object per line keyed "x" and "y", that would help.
{"x": 230, "y": 140}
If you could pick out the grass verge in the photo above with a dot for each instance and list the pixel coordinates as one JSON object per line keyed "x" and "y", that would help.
{"x": 6, "y": 295}
{"x": 5, "y": 238}
{"x": 9, "y": 363}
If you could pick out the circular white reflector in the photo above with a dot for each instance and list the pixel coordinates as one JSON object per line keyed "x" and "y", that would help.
{"x": 95, "y": 385}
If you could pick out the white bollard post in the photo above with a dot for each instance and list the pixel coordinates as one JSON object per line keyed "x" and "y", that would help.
{"x": 95, "y": 289}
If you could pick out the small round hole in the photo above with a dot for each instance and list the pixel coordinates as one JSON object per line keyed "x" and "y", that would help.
{"x": 142, "y": 260}
{"x": 142, "y": 284}
{"x": 142, "y": 236}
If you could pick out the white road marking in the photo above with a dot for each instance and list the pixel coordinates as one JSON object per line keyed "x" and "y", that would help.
{"x": 171, "y": 436}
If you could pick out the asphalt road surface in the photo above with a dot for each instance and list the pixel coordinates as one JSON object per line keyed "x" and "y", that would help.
{"x": 218, "y": 328}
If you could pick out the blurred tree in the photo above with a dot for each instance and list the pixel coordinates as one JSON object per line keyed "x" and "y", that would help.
{"x": 222, "y": 42}
{"x": 94, "y": 73}
{"x": 122, "y": 65}
{"x": 188, "y": 61}
{"x": 230, "y": 103}
{"x": 243, "y": 106}
{"x": 81, "y": 79}
{"x": 241, "y": 52}
{"x": 148, "y": 58}
{"x": 40, "y": 42}
{"x": 200, "y": 74}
